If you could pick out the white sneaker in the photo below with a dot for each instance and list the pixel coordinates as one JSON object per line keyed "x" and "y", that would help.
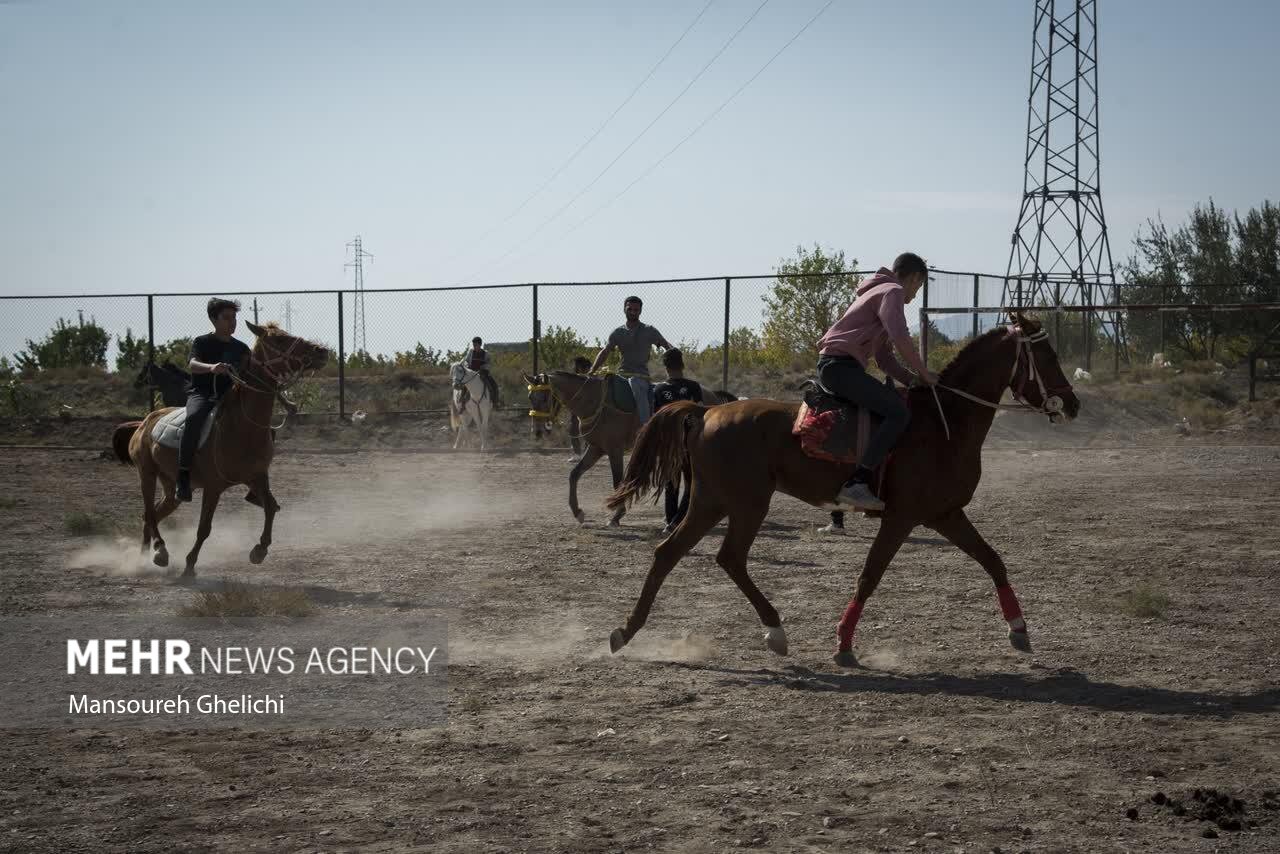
{"x": 859, "y": 496}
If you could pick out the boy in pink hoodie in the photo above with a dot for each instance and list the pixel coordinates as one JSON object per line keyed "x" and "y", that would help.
{"x": 876, "y": 318}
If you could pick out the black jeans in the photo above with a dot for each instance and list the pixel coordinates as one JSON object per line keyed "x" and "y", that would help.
{"x": 198, "y": 409}
{"x": 675, "y": 507}
{"x": 845, "y": 377}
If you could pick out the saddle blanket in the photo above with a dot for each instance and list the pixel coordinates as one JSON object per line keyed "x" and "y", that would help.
{"x": 168, "y": 430}
{"x": 831, "y": 429}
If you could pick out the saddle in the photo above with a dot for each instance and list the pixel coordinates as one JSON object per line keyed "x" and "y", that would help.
{"x": 618, "y": 394}
{"x": 168, "y": 430}
{"x": 831, "y": 428}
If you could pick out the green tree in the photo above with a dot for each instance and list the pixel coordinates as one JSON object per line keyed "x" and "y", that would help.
{"x": 68, "y": 345}
{"x": 810, "y": 293}
{"x": 131, "y": 352}
{"x": 1213, "y": 258}
{"x": 557, "y": 346}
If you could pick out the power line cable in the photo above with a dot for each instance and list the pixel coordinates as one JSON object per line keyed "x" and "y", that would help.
{"x": 556, "y": 214}
{"x": 697, "y": 128}
{"x": 574, "y": 156}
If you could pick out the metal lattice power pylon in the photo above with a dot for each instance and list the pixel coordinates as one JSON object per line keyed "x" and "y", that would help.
{"x": 1060, "y": 253}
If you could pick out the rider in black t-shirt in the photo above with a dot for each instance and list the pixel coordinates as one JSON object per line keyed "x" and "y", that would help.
{"x": 213, "y": 358}
{"x": 674, "y": 389}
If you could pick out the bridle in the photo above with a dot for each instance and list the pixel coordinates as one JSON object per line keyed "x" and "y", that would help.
{"x": 264, "y": 377}
{"x": 1050, "y": 396}
{"x": 540, "y": 385}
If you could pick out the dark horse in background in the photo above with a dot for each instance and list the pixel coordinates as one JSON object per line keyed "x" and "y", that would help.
{"x": 607, "y": 430}
{"x": 742, "y": 453}
{"x": 172, "y": 383}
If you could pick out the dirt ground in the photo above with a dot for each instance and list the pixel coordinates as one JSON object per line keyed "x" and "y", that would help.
{"x": 696, "y": 738}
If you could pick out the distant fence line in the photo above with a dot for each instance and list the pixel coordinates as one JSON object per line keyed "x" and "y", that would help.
{"x": 706, "y": 309}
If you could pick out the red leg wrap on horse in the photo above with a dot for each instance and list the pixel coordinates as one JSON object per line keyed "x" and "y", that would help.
{"x": 848, "y": 622}
{"x": 1008, "y": 603}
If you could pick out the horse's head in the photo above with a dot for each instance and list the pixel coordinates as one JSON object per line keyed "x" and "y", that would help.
{"x": 458, "y": 374}
{"x": 144, "y": 376}
{"x": 1037, "y": 377}
{"x": 543, "y": 404}
{"x": 281, "y": 357}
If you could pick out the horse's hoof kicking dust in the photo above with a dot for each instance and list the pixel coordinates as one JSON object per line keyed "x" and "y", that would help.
{"x": 845, "y": 658}
{"x": 776, "y": 639}
{"x": 1021, "y": 641}
{"x": 257, "y": 555}
{"x": 617, "y": 640}
{"x": 160, "y": 558}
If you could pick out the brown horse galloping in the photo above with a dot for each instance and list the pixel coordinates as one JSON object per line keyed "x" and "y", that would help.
{"x": 743, "y": 452}
{"x": 607, "y": 430}
{"x": 239, "y": 450}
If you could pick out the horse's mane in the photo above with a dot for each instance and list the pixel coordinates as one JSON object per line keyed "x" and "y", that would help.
{"x": 962, "y": 360}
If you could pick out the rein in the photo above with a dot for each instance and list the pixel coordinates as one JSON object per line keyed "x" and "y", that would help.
{"x": 1051, "y": 402}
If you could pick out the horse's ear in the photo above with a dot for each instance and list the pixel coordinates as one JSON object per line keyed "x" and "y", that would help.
{"x": 257, "y": 330}
{"x": 528, "y": 380}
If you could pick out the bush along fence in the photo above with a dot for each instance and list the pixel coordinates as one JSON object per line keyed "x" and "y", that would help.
{"x": 749, "y": 334}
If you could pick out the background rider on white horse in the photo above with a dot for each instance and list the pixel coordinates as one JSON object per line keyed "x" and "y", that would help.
{"x": 478, "y": 360}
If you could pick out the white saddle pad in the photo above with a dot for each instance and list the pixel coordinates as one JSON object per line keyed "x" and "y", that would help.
{"x": 168, "y": 430}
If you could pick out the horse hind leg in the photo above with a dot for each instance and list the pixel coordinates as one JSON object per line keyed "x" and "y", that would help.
{"x": 700, "y": 519}
{"x": 732, "y": 558}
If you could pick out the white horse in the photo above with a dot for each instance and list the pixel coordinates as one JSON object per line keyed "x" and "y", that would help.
{"x": 470, "y": 402}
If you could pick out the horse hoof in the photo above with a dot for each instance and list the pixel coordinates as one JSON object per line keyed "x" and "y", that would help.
{"x": 776, "y": 639}
{"x": 188, "y": 576}
{"x": 160, "y": 558}
{"x": 617, "y": 640}
{"x": 1021, "y": 641}
{"x": 615, "y": 523}
{"x": 257, "y": 555}
{"x": 580, "y": 516}
{"x": 846, "y": 658}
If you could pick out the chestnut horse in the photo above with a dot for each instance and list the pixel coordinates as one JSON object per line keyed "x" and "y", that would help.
{"x": 743, "y": 452}
{"x": 608, "y": 431}
{"x": 239, "y": 450}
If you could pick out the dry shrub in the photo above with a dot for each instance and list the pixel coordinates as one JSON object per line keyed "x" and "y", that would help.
{"x": 239, "y": 600}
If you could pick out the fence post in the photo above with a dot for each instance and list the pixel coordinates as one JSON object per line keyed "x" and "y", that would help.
{"x": 537, "y": 330}
{"x": 924, "y": 323}
{"x": 975, "y": 305}
{"x": 151, "y": 342}
{"x": 342, "y": 364}
{"x": 1253, "y": 376}
{"x": 1087, "y": 329}
{"x": 1164, "y": 299}
{"x": 1057, "y": 314}
{"x": 1115, "y": 341}
{"x": 724, "y": 378}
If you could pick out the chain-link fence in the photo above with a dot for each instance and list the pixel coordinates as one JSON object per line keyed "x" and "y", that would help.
{"x": 392, "y": 348}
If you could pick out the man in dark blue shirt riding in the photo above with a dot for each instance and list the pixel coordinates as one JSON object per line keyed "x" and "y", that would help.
{"x": 213, "y": 359}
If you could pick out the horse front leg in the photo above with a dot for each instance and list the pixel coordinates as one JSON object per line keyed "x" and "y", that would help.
{"x": 588, "y": 460}
{"x": 150, "y": 525}
{"x": 957, "y": 528}
{"x": 615, "y": 468}
{"x": 892, "y": 534}
{"x": 208, "y": 504}
{"x": 262, "y": 488}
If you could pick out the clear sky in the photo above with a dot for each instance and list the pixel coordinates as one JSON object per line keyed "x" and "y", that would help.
{"x": 240, "y": 145}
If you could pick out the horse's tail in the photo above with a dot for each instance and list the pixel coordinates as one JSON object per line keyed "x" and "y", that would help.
{"x": 659, "y": 453}
{"x": 120, "y": 440}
